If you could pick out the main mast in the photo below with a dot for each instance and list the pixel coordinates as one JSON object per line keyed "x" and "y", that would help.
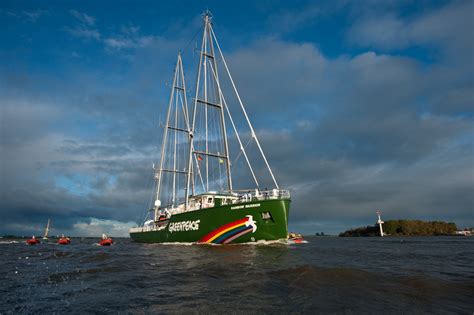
{"x": 207, "y": 100}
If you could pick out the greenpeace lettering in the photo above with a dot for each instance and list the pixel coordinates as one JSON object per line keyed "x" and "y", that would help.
{"x": 184, "y": 226}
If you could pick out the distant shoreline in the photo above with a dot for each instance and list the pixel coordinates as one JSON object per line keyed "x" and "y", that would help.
{"x": 405, "y": 228}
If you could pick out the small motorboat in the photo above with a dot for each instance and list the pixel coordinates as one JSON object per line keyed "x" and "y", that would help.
{"x": 106, "y": 240}
{"x": 33, "y": 241}
{"x": 64, "y": 240}
{"x": 299, "y": 240}
{"x": 296, "y": 238}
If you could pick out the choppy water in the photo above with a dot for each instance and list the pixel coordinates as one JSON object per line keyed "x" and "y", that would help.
{"x": 328, "y": 275}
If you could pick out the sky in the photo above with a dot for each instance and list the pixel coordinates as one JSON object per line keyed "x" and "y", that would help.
{"x": 359, "y": 105}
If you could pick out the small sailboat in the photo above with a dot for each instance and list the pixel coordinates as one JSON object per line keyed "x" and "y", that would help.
{"x": 33, "y": 241}
{"x": 106, "y": 240}
{"x": 63, "y": 240}
{"x": 46, "y": 230}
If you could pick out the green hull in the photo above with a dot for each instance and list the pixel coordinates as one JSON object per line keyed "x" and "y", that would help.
{"x": 236, "y": 223}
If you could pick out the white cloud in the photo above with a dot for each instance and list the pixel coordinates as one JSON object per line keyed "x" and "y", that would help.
{"x": 118, "y": 43}
{"x": 95, "y": 228}
{"x": 129, "y": 37}
{"x": 130, "y": 30}
{"x": 84, "y": 32}
{"x": 83, "y": 17}
{"x": 33, "y": 16}
{"x": 85, "y": 29}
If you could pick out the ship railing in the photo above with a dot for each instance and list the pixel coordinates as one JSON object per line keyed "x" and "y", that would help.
{"x": 142, "y": 229}
{"x": 239, "y": 197}
{"x": 255, "y": 195}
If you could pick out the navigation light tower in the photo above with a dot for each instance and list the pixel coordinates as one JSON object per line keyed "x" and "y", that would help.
{"x": 380, "y": 222}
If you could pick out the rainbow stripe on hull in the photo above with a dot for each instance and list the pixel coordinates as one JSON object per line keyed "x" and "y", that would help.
{"x": 231, "y": 231}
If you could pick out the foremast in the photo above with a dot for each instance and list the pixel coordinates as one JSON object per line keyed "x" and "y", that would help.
{"x": 177, "y": 105}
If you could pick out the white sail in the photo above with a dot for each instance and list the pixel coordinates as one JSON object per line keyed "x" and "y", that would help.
{"x": 46, "y": 230}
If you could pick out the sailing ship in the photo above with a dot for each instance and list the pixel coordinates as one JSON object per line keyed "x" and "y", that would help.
{"x": 46, "y": 230}
{"x": 195, "y": 199}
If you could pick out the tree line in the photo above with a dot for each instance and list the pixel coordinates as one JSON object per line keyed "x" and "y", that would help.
{"x": 405, "y": 228}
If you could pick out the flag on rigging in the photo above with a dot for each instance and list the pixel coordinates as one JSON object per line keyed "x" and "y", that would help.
{"x": 199, "y": 158}
{"x": 221, "y": 161}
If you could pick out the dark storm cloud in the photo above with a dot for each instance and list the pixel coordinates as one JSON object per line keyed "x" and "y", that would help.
{"x": 442, "y": 27}
{"x": 45, "y": 174}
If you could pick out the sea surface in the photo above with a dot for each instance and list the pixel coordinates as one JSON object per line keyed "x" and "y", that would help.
{"x": 327, "y": 275}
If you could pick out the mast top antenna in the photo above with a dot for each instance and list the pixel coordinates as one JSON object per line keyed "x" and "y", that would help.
{"x": 206, "y": 15}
